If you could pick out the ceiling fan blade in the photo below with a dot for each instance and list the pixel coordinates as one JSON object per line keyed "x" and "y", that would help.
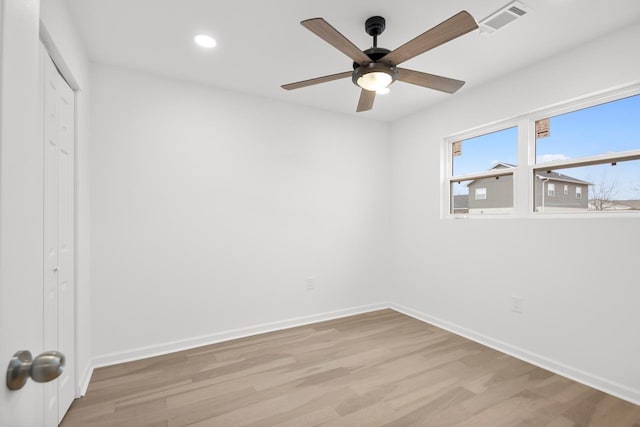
{"x": 366, "y": 100}
{"x": 431, "y": 81}
{"x": 317, "y": 80}
{"x": 332, "y": 36}
{"x": 448, "y": 30}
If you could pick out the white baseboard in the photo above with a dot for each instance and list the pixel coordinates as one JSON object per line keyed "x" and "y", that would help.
{"x": 602, "y": 384}
{"x": 607, "y": 386}
{"x": 186, "y": 344}
{"x": 83, "y": 382}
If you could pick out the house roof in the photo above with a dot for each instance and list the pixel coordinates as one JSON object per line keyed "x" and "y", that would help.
{"x": 498, "y": 165}
{"x": 552, "y": 176}
{"x": 555, "y": 176}
{"x": 502, "y": 165}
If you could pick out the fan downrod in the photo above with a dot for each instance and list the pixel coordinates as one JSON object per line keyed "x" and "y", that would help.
{"x": 375, "y": 26}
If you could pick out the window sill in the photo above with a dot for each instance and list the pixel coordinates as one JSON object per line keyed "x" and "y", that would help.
{"x": 555, "y": 215}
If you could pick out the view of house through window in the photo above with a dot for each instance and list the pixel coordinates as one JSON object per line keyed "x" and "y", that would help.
{"x": 599, "y": 135}
{"x": 483, "y": 196}
{"x": 547, "y": 199}
{"x": 586, "y": 160}
{"x": 490, "y": 158}
{"x": 610, "y": 188}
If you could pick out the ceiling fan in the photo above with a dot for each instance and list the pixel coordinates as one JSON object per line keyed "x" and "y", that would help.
{"x": 376, "y": 68}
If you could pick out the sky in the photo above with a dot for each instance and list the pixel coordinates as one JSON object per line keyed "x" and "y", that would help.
{"x": 604, "y": 128}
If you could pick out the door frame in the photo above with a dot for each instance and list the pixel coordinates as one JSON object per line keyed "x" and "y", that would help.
{"x": 58, "y": 59}
{"x": 21, "y": 204}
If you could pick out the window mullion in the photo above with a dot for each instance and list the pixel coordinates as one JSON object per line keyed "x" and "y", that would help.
{"x": 446, "y": 202}
{"x": 522, "y": 178}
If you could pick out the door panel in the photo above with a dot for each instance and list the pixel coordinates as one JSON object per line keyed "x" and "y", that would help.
{"x": 50, "y": 229}
{"x": 66, "y": 239}
{"x": 59, "y": 315}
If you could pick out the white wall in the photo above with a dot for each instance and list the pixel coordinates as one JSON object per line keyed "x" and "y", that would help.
{"x": 210, "y": 209}
{"x": 580, "y": 312}
{"x": 55, "y": 16}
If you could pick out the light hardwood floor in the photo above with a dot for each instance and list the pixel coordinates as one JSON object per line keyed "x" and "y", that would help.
{"x": 379, "y": 368}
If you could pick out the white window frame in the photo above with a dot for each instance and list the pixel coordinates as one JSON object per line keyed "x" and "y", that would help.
{"x": 566, "y": 189}
{"x": 481, "y": 193}
{"x": 551, "y": 189}
{"x": 495, "y": 173}
{"x": 579, "y": 192}
{"x": 524, "y": 174}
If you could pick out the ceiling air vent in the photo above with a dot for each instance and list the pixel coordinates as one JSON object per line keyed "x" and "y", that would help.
{"x": 502, "y": 17}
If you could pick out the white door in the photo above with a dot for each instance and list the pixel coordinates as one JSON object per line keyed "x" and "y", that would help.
{"x": 21, "y": 206}
{"x": 59, "y": 305}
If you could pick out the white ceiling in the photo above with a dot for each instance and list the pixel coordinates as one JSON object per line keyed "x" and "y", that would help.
{"x": 261, "y": 44}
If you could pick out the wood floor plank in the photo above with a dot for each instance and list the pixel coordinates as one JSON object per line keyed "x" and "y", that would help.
{"x": 374, "y": 369}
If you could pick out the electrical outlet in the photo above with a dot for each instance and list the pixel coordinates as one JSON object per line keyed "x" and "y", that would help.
{"x": 311, "y": 283}
{"x": 516, "y": 304}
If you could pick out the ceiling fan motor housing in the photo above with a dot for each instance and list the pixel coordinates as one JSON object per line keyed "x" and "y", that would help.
{"x": 375, "y": 54}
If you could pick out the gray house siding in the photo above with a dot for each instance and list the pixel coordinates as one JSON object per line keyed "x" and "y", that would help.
{"x": 561, "y": 200}
{"x": 499, "y": 193}
{"x": 460, "y": 204}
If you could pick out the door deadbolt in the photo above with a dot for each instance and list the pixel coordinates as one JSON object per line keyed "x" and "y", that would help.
{"x": 46, "y": 367}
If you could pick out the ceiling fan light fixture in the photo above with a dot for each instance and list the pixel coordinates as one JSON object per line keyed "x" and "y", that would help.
{"x": 374, "y": 76}
{"x": 204, "y": 40}
{"x": 375, "y": 81}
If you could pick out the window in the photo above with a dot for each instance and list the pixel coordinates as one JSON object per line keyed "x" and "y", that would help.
{"x": 551, "y": 190}
{"x": 485, "y": 152}
{"x": 482, "y": 164}
{"x": 481, "y": 193}
{"x": 588, "y": 147}
{"x": 607, "y": 127}
{"x": 595, "y": 148}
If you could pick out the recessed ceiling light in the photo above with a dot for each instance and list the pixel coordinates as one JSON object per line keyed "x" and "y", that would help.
{"x": 205, "y": 41}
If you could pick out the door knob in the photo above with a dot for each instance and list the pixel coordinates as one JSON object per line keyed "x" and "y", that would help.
{"x": 46, "y": 367}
